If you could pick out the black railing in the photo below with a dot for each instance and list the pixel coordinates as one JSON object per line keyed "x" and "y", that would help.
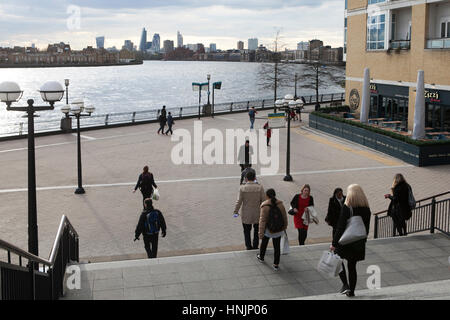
{"x": 430, "y": 214}
{"x": 111, "y": 119}
{"x": 38, "y": 279}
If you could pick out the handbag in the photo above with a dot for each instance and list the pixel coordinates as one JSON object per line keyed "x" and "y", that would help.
{"x": 310, "y": 216}
{"x": 155, "y": 195}
{"x": 285, "y": 249}
{"x": 354, "y": 231}
{"x": 330, "y": 264}
{"x": 291, "y": 211}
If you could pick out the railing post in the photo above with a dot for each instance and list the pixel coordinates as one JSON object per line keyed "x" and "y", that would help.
{"x": 20, "y": 128}
{"x": 33, "y": 280}
{"x": 263, "y": 104}
{"x": 181, "y": 113}
{"x": 375, "y": 232}
{"x": 433, "y": 215}
{"x": 106, "y": 119}
{"x": 134, "y": 117}
{"x": 321, "y": 98}
{"x": 332, "y": 97}
{"x": 231, "y": 107}
{"x": 310, "y": 99}
{"x": 248, "y": 105}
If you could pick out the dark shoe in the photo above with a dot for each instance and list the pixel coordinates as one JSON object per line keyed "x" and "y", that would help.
{"x": 344, "y": 289}
{"x": 249, "y": 248}
{"x": 350, "y": 293}
{"x": 259, "y": 258}
{"x": 276, "y": 267}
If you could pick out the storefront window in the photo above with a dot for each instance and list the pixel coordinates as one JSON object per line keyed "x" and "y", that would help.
{"x": 437, "y": 117}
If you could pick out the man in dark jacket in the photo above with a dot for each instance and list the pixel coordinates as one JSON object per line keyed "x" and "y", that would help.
{"x": 170, "y": 123}
{"x": 334, "y": 208}
{"x": 150, "y": 223}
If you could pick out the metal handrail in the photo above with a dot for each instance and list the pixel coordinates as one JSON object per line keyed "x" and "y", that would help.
{"x": 418, "y": 201}
{"x": 31, "y": 257}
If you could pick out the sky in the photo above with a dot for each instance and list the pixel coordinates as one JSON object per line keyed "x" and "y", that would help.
{"x": 224, "y": 22}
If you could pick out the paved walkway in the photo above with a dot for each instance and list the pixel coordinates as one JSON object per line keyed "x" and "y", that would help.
{"x": 197, "y": 200}
{"x": 408, "y": 260}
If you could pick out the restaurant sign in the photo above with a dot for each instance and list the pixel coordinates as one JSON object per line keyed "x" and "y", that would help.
{"x": 432, "y": 96}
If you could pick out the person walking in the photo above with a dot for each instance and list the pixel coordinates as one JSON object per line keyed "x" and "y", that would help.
{"x": 252, "y": 115}
{"x": 164, "y": 112}
{"x": 150, "y": 223}
{"x": 299, "y": 204}
{"x": 250, "y": 197}
{"x": 245, "y": 155}
{"x": 244, "y": 173}
{"x": 268, "y": 132}
{"x": 170, "y": 123}
{"x": 356, "y": 204}
{"x": 273, "y": 222}
{"x": 335, "y": 206}
{"x": 162, "y": 123}
{"x": 145, "y": 183}
{"x": 399, "y": 208}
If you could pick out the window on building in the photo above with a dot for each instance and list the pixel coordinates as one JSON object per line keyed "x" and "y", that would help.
{"x": 445, "y": 27}
{"x": 376, "y": 1}
{"x": 376, "y": 32}
{"x": 393, "y": 23}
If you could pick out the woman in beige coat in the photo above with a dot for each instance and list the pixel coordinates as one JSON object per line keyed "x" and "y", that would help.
{"x": 265, "y": 234}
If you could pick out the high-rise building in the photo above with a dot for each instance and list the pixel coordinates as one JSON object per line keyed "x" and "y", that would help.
{"x": 303, "y": 45}
{"x": 179, "y": 40}
{"x": 129, "y": 45}
{"x": 252, "y": 44}
{"x": 156, "y": 43}
{"x": 240, "y": 45}
{"x": 168, "y": 46}
{"x": 143, "y": 42}
{"x": 394, "y": 43}
{"x": 212, "y": 47}
{"x": 100, "y": 42}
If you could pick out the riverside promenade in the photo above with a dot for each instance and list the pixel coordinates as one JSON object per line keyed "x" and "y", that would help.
{"x": 196, "y": 200}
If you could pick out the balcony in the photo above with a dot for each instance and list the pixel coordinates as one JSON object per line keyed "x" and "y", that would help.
{"x": 443, "y": 43}
{"x": 400, "y": 44}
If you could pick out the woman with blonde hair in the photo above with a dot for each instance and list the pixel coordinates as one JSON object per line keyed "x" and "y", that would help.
{"x": 399, "y": 208}
{"x": 356, "y": 204}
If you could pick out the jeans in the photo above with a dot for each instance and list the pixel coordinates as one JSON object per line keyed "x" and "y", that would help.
{"x": 161, "y": 128}
{"x": 276, "y": 247}
{"x": 352, "y": 275}
{"x": 247, "y": 231}
{"x": 252, "y": 122}
{"x": 170, "y": 129}
{"x": 151, "y": 245}
{"x": 302, "y": 234}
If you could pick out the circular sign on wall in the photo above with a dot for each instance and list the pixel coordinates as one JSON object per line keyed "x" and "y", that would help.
{"x": 354, "y": 99}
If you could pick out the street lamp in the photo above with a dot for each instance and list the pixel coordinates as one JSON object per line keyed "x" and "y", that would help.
{"x": 76, "y": 110}
{"x": 288, "y": 104}
{"x": 278, "y": 105}
{"x": 51, "y": 92}
{"x": 66, "y": 82}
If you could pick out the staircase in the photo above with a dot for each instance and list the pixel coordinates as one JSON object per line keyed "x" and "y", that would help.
{"x": 410, "y": 267}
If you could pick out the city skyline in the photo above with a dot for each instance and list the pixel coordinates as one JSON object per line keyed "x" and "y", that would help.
{"x": 224, "y": 24}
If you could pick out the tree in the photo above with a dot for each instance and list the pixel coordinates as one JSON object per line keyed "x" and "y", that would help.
{"x": 273, "y": 74}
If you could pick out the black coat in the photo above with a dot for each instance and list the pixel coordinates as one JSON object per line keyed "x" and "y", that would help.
{"x": 140, "y": 228}
{"x": 356, "y": 250}
{"x": 334, "y": 211}
{"x": 146, "y": 188}
{"x": 294, "y": 202}
{"x": 399, "y": 208}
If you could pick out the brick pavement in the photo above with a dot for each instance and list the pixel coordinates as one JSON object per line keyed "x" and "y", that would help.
{"x": 198, "y": 212}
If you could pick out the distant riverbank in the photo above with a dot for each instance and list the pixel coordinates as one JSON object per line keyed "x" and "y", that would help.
{"x": 33, "y": 65}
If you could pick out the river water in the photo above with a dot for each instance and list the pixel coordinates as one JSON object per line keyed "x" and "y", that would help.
{"x": 149, "y": 86}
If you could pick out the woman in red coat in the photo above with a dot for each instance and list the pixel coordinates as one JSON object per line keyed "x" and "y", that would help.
{"x": 268, "y": 132}
{"x": 299, "y": 204}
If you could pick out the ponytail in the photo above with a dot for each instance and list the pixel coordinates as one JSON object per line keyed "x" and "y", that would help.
{"x": 272, "y": 195}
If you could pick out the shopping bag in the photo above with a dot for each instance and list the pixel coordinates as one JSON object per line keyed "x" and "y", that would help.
{"x": 155, "y": 195}
{"x": 284, "y": 244}
{"x": 354, "y": 231}
{"x": 330, "y": 264}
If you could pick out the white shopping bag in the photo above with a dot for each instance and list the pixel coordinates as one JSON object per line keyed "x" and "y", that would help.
{"x": 284, "y": 244}
{"x": 330, "y": 264}
{"x": 155, "y": 195}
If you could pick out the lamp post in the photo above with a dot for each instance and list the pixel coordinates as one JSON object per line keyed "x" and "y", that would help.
{"x": 218, "y": 86}
{"x": 67, "y": 82}
{"x": 199, "y": 87}
{"x": 295, "y": 80}
{"x": 51, "y": 92}
{"x": 288, "y": 103}
{"x": 76, "y": 111}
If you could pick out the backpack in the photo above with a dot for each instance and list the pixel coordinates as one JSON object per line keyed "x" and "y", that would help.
{"x": 411, "y": 199}
{"x": 152, "y": 222}
{"x": 275, "y": 223}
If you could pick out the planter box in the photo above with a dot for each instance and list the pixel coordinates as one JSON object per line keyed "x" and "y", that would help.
{"x": 421, "y": 156}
